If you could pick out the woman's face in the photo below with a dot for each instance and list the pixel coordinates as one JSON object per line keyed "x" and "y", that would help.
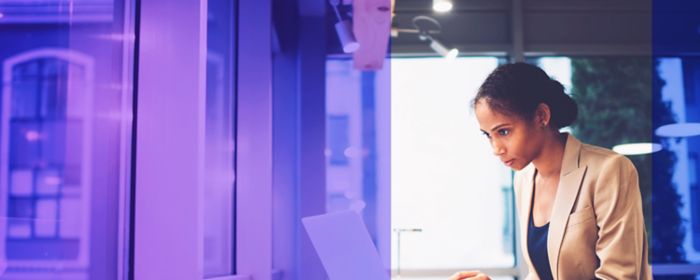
{"x": 514, "y": 140}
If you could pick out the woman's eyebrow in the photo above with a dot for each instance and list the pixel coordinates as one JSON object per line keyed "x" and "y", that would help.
{"x": 498, "y": 126}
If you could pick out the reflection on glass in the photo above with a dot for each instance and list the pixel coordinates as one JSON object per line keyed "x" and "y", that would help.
{"x": 436, "y": 151}
{"x": 357, "y": 151}
{"x": 623, "y": 99}
{"x": 38, "y": 157}
{"x": 219, "y": 197}
{"x": 681, "y": 78}
{"x": 62, "y": 163}
{"x": 344, "y": 171}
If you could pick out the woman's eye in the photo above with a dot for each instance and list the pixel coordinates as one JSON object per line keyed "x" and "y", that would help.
{"x": 503, "y": 132}
{"x": 486, "y": 134}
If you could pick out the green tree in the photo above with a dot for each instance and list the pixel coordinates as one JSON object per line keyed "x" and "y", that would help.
{"x": 618, "y": 98}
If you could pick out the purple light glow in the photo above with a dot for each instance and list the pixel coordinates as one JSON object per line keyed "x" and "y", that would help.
{"x": 52, "y": 181}
{"x": 117, "y": 37}
{"x": 32, "y": 136}
{"x": 350, "y": 152}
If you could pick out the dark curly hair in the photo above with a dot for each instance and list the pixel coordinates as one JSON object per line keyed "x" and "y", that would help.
{"x": 518, "y": 88}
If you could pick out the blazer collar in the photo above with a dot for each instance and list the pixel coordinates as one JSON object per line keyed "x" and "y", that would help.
{"x": 572, "y": 152}
{"x": 570, "y": 179}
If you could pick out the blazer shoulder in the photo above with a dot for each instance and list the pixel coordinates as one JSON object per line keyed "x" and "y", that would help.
{"x": 595, "y": 155}
{"x": 605, "y": 160}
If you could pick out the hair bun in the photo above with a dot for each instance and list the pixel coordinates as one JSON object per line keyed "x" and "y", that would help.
{"x": 556, "y": 86}
{"x": 564, "y": 108}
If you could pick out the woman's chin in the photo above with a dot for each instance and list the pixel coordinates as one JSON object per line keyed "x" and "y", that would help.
{"x": 515, "y": 167}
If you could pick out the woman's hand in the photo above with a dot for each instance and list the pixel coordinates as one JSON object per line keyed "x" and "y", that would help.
{"x": 469, "y": 275}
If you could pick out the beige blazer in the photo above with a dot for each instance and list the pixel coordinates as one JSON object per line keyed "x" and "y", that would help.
{"x": 596, "y": 227}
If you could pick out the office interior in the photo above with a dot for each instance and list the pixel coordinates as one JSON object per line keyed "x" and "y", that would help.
{"x": 161, "y": 139}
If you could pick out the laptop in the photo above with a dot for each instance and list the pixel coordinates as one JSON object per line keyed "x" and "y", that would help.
{"x": 345, "y": 247}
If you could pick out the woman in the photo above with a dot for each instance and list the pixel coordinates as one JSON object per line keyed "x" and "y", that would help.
{"x": 579, "y": 206}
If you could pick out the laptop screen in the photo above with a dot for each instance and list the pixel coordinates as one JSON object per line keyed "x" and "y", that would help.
{"x": 344, "y": 246}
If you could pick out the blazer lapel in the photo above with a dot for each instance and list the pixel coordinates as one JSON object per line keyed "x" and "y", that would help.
{"x": 570, "y": 180}
{"x": 525, "y": 201}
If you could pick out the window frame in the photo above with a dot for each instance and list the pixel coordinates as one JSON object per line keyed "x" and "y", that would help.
{"x": 155, "y": 162}
{"x": 71, "y": 57}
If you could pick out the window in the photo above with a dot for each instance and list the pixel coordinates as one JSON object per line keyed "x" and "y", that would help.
{"x": 219, "y": 209}
{"x": 65, "y": 139}
{"x": 437, "y": 154}
{"x": 435, "y": 150}
{"x": 345, "y": 145}
{"x": 616, "y": 96}
{"x": 48, "y": 171}
{"x": 357, "y": 147}
{"x": 680, "y": 93}
{"x": 693, "y": 170}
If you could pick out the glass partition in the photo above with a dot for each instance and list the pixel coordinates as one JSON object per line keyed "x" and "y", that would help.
{"x": 65, "y": 138}
{"x": 219, "y": 149}
{"x": 631, "y": 99}
{"x": 442, "y": 175}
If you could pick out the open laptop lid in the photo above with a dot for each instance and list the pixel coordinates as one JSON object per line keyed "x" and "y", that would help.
{"x": 345, "y": 247}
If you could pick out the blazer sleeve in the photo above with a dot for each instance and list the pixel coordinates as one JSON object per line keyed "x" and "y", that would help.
{"x": 617, "y": 204}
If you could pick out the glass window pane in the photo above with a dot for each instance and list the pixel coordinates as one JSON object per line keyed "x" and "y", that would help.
{"x": 21, "y": 208}
{"x": 45, "y": 219}
{"x": 69, "y": 218}
{"x": 48, "y": 182}
{"x": 437, "y": 151}
{"x": 338, "y": 139}
{"x": 21, "y": 182}
{"x": 65, "y": 122}
{"x": 24, "y": 140}
{"x": 219, "y": 209}
{"x": 53, "y": 142}
{"x": 621, "y": 100}
{"x": 344, "y": 172}
{"x": 357, "y": 147}
{"x": 52, "y": 88}
{"x": 681, "y": 87}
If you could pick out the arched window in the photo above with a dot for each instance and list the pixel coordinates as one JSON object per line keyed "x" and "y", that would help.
{"x": 44, "y": 164}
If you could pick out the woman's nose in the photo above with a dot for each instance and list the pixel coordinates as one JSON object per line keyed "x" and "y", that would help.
{"x": 497, "y": 148}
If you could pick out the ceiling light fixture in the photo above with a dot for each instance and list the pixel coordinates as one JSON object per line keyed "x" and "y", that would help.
{"x": 442, "y": 6}
{"x": 637, "y": 148}
{"x": 426, "y": 27}
{"x": 344, "y": 30}
{"x": 679, "y": 130}
{"x": 439, "y": 47}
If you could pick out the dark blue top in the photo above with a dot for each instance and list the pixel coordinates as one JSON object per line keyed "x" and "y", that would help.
{"x": 537, "y": 246}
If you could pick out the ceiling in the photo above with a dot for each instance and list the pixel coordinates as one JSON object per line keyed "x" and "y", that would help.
{"x": 519, "y": 28}
{"x": 533, "y": 27}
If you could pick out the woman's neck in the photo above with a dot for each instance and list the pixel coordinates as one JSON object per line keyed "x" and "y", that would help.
{"x": 549, "y": 161}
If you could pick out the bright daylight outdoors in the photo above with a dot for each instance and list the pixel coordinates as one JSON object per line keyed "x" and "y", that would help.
{"x": 445, "y": 180}
{"x": 451, "y": 199}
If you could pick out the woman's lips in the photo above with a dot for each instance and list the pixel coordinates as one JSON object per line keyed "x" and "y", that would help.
{"x": 509, "y": 163}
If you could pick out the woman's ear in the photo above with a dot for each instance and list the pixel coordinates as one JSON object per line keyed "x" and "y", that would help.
{"x": 543, "y": 115}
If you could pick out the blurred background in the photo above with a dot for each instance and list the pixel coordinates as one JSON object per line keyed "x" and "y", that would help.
{"x": 186, "y": 139}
